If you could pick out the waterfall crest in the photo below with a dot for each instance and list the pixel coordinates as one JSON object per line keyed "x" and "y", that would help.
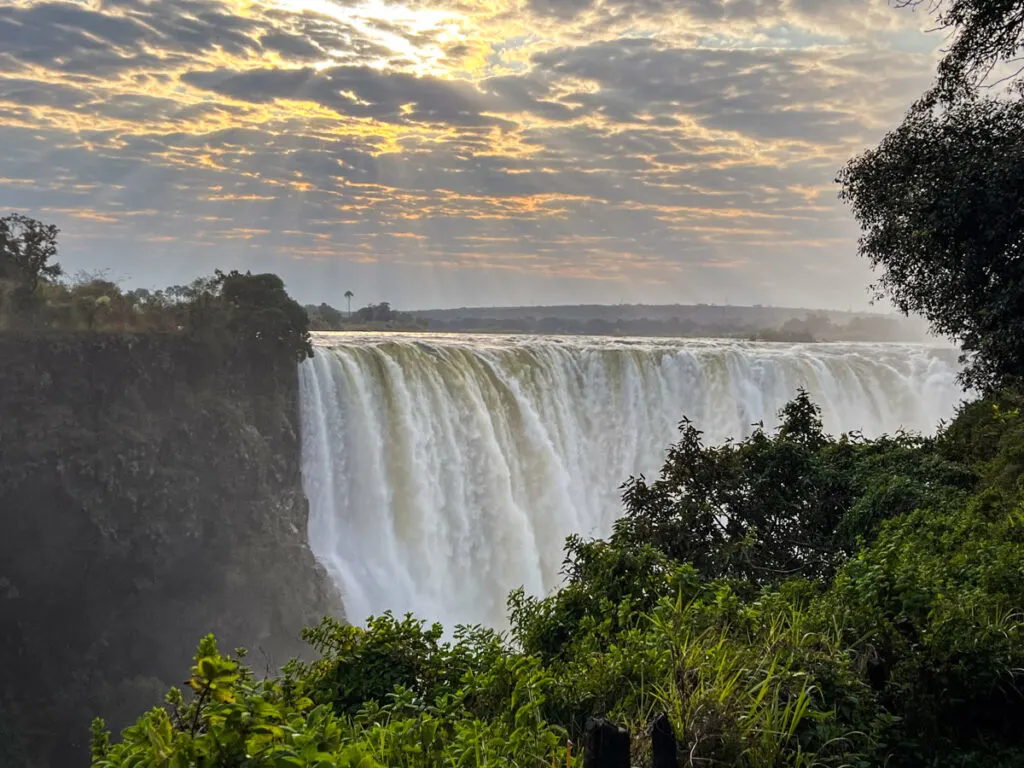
{"x": 444, "y": 471}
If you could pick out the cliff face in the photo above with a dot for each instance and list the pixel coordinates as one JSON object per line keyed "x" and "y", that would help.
{"x": 149, "y": 493}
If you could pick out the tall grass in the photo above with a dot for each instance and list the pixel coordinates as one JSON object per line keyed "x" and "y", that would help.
{"x": 737, "y": 689}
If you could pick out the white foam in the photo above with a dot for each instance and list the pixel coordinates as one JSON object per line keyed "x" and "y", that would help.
{"x": 445, "y": 470}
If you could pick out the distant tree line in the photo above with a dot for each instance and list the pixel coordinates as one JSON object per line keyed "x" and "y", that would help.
{"x": 246, "y": 312}
{"x": 36, "y": 294}
{"x": 371, "y": 317}
{"x": 813, "y": 327}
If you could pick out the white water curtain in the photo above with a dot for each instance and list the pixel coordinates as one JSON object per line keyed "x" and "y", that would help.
{"x": 444, "y": 471}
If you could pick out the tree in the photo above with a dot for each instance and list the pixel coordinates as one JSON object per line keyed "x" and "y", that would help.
{"x": 764, "y": 509}
{"x": 940, "y": 199}
{"x": 27, "y": 248}
{"x": 262, "y": 315}
{"x": 348, "y": 297}
{"x": 774, "y": 506}
{"x": 985, "y": 33}
{"x": 941, "y": 203}
{"x": 329, "y": 316}
{"x": 376, "y": 313}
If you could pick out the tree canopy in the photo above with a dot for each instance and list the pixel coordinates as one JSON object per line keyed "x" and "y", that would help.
{"x": 238, "y": 310}
{"x": 262, "y": 314}
{"x": 983, "y": 35}
{"x": 941, "y": 203}
{"x": 27, "y": 250}
{"x": 771, "y": 507}
{"x": 941, "y": 199}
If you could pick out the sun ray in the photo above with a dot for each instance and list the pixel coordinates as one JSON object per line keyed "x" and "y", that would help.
{"x": 417, "y": 34}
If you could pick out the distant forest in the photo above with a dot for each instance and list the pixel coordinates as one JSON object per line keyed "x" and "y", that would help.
{"x": 757, "y": 323}
{"x": 372, "y": 317}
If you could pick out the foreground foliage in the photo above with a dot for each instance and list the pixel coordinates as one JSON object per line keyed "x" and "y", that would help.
{"x": 789, "y": 599}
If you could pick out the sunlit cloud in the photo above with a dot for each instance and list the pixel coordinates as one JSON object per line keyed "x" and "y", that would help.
{"x": 437, "y": 152}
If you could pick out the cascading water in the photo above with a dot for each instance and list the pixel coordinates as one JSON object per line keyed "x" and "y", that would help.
{"x": 444, "y": 471}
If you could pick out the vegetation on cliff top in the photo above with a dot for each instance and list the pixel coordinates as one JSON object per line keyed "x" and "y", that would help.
{"x": 252, "y": 314}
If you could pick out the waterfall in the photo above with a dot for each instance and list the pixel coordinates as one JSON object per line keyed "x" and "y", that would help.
{"x": 444, "y": 471}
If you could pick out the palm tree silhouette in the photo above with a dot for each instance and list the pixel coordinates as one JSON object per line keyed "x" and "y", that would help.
{"x": 349, "y": 295}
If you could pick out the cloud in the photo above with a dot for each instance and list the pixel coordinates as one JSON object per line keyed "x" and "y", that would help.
{"x": 438, "y": 152}
{"x": 715, "y": 10}
{"x": 563, "y": 9}
{"x": 843, "y": 17}
{"x": 765, "y": 93}
{"x": 358, "y": 92}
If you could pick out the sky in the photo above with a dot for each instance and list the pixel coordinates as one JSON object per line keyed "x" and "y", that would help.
{"x": 446, "y": 153}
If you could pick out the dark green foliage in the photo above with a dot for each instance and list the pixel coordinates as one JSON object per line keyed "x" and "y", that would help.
{"x": 27, "y": 252}
{"x": 763, "y": 510}
{"x": 373, "y": 317}
{"x": 941, "y": 202}
{"x": 604, "y": 582}
{"x": 934, "y": 611}
{"x": 984, "y": 33}
{"x": 359, "y": 665}
{"x": 234, "y": 720}
{"x": 773, "y": 507}
{"x": 989, "y": 433}
{"x": 252, "y": 315}
{"x": 891, "y": 476}
{"x": 324, "y": 317}
{"x": 262, "y": 316}
{"x": 906, "y": 650}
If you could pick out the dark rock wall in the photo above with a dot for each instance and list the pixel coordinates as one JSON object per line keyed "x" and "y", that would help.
{"x": 149, "y": 493}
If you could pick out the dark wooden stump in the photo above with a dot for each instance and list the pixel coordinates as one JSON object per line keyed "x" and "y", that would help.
{"x": 663, "y": 743}
{"x": 605, "y": 745}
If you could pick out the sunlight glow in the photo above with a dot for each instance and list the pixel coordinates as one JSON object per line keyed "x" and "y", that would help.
{"x": 395, "y": 27}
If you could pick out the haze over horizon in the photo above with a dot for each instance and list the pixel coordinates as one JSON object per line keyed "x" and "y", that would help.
{"x": 449, "y": 153}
